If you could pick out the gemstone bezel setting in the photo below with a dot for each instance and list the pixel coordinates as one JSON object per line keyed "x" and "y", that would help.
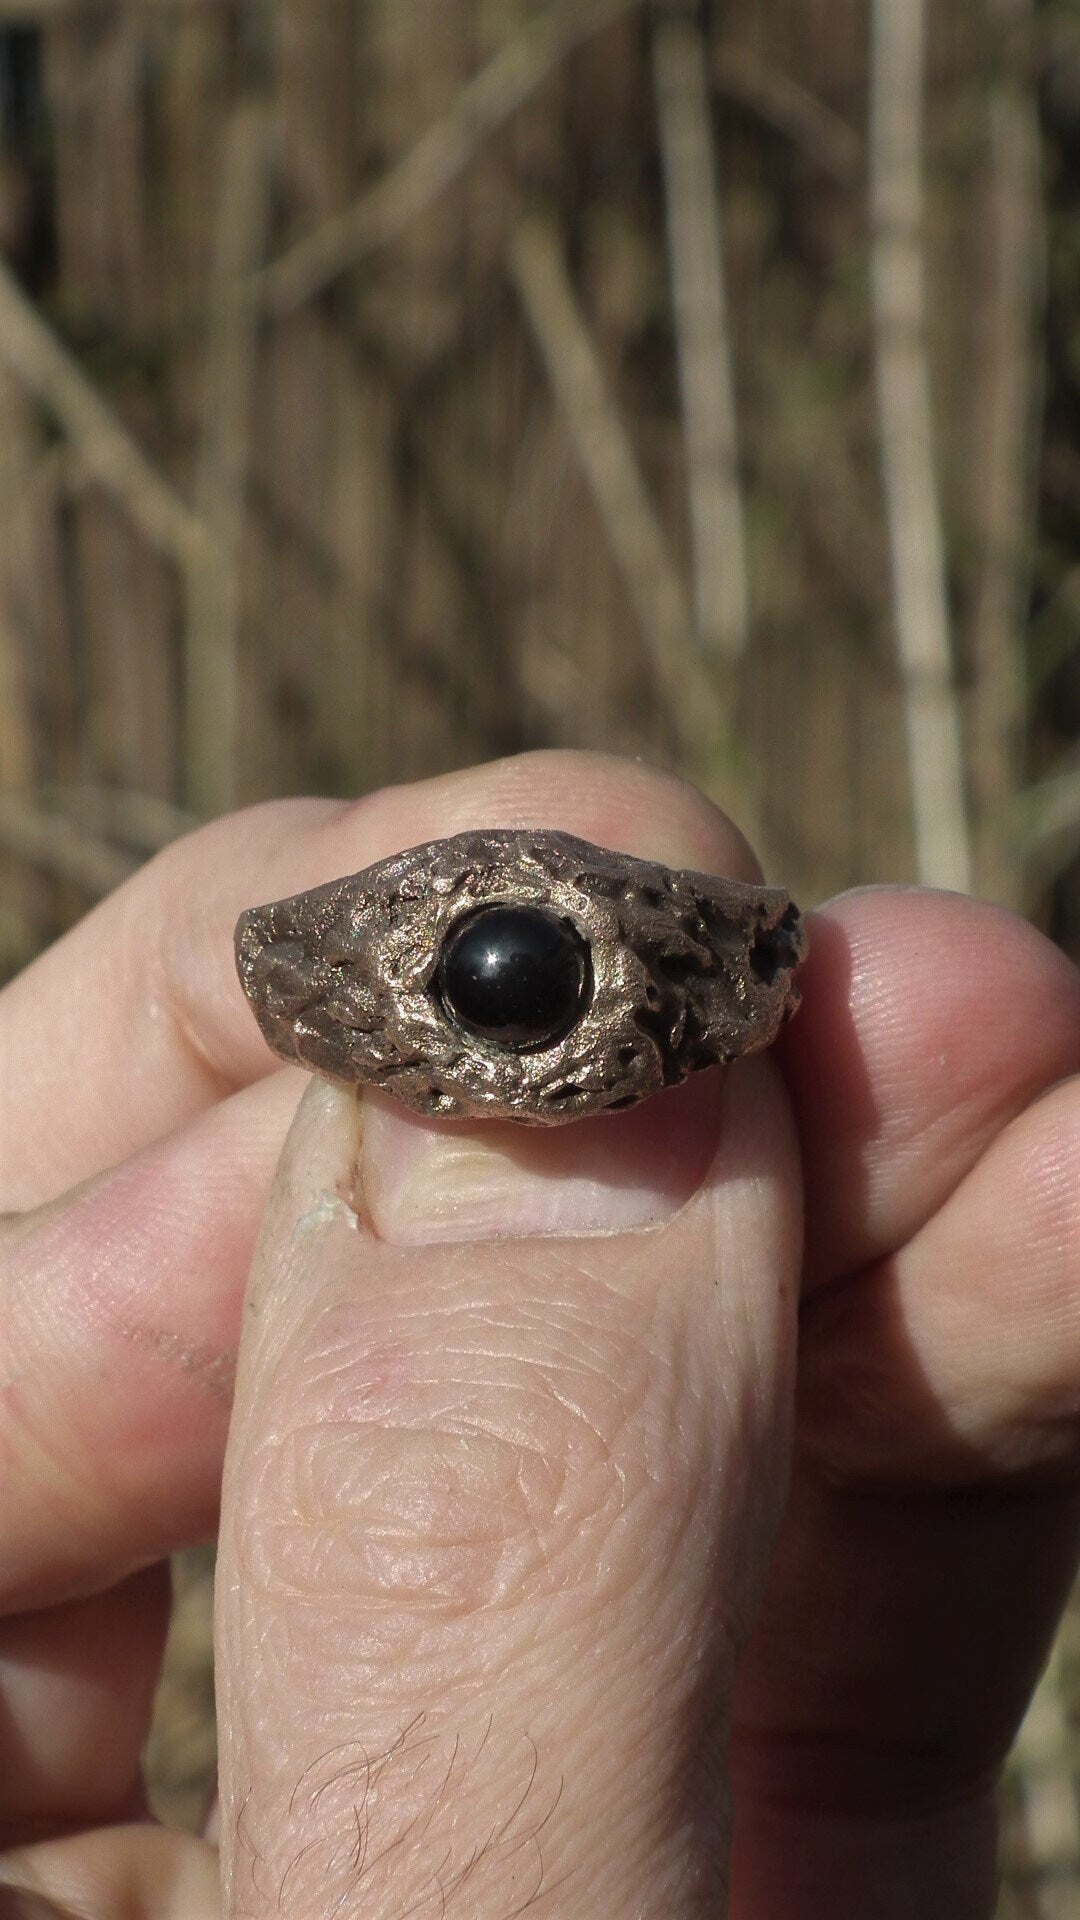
{"x": 513, "y": 975}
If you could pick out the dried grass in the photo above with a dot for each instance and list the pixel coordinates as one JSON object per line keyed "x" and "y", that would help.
{"x": 383, "y": 387}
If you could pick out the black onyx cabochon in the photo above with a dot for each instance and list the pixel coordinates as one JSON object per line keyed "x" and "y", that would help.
{"x": 517, "y": 976}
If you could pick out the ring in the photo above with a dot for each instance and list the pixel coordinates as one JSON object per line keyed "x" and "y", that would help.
{"x": 521, "y": 975}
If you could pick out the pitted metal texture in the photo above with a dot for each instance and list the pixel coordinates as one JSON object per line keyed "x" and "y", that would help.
{"x": 684, "y": 971}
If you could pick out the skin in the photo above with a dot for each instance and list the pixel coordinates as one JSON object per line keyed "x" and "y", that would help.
{"x": 507, "y": 1545}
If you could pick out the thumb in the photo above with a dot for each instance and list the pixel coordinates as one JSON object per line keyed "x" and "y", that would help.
{"x": 508, "y": 1452}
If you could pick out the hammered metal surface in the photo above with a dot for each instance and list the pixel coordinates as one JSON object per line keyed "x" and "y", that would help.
{"x": 688, "y": 971}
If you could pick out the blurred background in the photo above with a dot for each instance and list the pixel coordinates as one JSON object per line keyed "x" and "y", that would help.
{"x": 388, "y": 384}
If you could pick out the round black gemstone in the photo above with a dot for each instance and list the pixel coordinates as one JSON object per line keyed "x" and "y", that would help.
{"x": 515, "y": 975}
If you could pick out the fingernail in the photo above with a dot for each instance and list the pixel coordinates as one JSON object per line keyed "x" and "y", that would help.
{"x": 422, "y": 1180}
{"x": 313, "y": 1186}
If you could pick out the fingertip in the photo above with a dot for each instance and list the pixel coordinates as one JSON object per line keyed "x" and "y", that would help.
{"x": 900, "y": 976}
{"x": 928, "y": 1020}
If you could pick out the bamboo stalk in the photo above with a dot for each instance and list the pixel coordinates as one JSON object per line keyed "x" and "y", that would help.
{"x": 1006, "y": 396}
{"x": 702, "y": 332}
{"x": 439, "y": 156}
{"x": 211, "y": 652}
{"x": 105, "y": 449}
{"x": 610, "y": 465}
{"x": 905, "y": 412}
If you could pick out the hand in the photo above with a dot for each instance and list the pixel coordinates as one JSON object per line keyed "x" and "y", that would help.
{"x": 508, "y": 1461}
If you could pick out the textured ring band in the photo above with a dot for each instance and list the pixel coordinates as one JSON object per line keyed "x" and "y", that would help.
{"x": 517, "y": 974}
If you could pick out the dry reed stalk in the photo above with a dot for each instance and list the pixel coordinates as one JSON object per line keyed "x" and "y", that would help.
{"x": 600, "y": 439}
{"x": 1004, "y": 469}
{"x": 316, "y": 715}
{"x": 16, "y": 731}
{"x": 43, "y": 552}
{"x": 33, "y": 13}
{"x": 905, "y": 410}
{"x": 402, "y": 574}
{"x": 20, "y": 732}
{"x": 423, "y": 57}
{"x": 792, "y": 110}
{"x": 1056, "y": 630}
{"x": 193, "y": 54}
{"x": 120, "y": 599}
{"x": 104, "y": 448}
{"x": 108, "y": 271}
{"x": 1046, "y": 825}
{"x": 126, "y": 616}
{"x": 179, "y": 1759}
{"x": 439, "y": 156}
{"x": 59, "y": 847}
{"x": 211, "y": 647}
{"x": 702, "y": 330}
{"x": 137, "y": 820}
{"x": 1041, "y": 1758}
{"x": 20, "y": 930}
{"x": 17, "y": 453}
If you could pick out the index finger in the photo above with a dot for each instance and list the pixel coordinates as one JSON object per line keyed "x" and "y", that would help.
{"x": 135, "y": 1022}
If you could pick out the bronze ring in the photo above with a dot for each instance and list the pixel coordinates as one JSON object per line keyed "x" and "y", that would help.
{"x": 521, "y": 975}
